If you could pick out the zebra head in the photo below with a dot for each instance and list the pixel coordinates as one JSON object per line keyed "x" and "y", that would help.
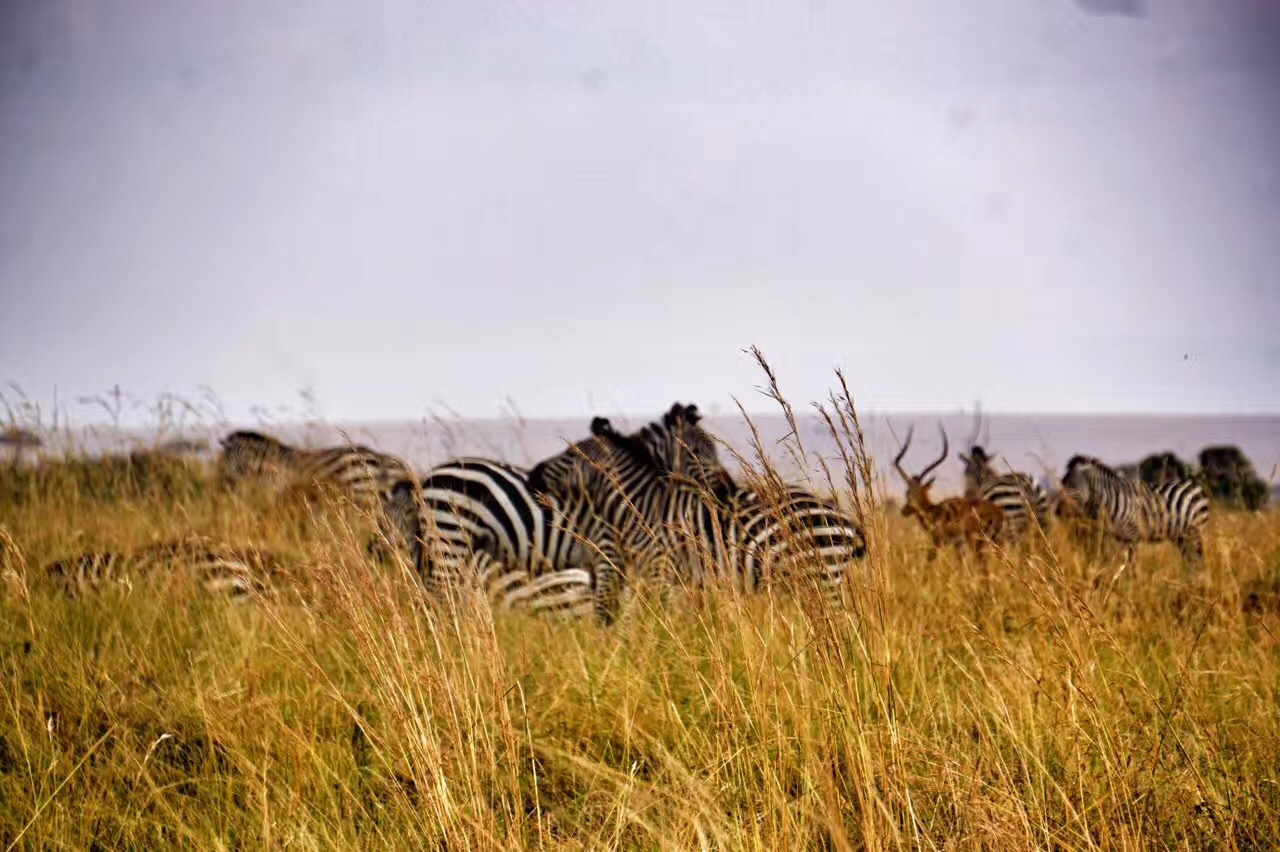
{"x": 246, "y": 453}
{"x": 977, "y": 469}
{"x": 918, "y": 486}
{"x": 1081, "y": 480}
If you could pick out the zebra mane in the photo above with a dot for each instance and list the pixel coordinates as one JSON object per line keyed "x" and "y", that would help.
{"x": 630, "y": 445}
{"x": 1089, "y": 461}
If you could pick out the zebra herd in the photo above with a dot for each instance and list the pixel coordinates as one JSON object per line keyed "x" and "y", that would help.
{"x": 611, "y": 510}
{"x": 569, "y": 535}
{"x": 654, "y": 506}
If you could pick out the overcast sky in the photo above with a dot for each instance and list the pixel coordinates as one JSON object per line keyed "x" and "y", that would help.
{"x": 407, "y": 205}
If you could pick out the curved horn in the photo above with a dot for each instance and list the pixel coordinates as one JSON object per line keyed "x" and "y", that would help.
{"x": 897, "y": 460}
{"x": 976, "y": 435}
{"x": 945, "y": 451}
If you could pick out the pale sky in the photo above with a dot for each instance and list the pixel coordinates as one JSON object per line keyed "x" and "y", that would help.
{"x": 409, "y": 206}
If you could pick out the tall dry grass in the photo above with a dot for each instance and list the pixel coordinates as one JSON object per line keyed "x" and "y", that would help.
{"x": 1042, "y": 699}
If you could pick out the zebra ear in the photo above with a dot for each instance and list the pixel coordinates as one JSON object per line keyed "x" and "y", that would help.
{"x": 601, "y": 426}
{"x": 676, "y": 413}
{"x": 691, "y": 414}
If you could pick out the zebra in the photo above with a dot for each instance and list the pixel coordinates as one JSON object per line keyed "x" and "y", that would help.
{"x": 476, "y": 518}
{"x": 661, "y": 525}
{"x": 240, "y": 573}
{"x": 1132, "y": 512}
{"x": 364, "y": 474}
{"x": 479, "y": 518}
{"x": 1024, "y": 503}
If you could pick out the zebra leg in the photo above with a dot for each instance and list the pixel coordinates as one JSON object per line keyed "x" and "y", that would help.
{"x": 1192, "y": 548}
{"x": 608, "y": 592}
{"x": 608, "y": 580}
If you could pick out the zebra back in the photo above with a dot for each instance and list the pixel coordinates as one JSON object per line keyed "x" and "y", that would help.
{"x": 354, "y": 469}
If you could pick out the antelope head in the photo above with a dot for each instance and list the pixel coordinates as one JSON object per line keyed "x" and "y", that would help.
{"x": 918, "y": 500}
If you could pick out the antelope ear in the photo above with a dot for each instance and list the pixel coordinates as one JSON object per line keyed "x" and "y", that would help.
{"x": 966, "y": 459}
{"x": 928, "y": 483}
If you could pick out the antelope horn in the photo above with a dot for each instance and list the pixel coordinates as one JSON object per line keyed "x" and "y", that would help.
{"x": 945, "y": 451}
{"x": 976, "y": 435}
{"x": 897, "y": 460}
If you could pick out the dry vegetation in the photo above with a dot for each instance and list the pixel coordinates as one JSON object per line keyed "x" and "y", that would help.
{"x": 1040, "y": 699}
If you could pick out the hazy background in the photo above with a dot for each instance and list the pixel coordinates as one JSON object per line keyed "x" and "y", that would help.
{"x": 406, "y": 206}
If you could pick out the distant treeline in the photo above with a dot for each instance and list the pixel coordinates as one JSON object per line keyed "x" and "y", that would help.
{"x": 1225, "y": 473}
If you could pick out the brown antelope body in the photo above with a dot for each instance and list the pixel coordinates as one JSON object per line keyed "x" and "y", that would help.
{"x": 970, "y": 521}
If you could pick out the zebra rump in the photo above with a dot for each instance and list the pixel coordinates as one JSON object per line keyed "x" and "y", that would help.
{"x": 475, "y": 521}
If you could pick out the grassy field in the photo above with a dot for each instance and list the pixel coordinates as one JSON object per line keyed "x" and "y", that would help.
{"x": 1043, "y": 699}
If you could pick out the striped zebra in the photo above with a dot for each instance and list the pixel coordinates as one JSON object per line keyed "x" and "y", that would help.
{"x": 475, "y": 520}
{"x": 478, "y": 519}
{"x": 657, "y": 525}
{"x": 358, "y": 471}
{"x": 236, "y": 572}
{"x": 1024, "y": 503}
{"x": 1132, "y": 512}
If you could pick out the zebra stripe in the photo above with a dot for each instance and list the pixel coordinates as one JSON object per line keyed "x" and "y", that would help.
{"x": 797, "y": 528}
{"x": 236, "y": 572}
{"x": 357, "y": 470}
{"x": 656, "y": 525}
{"x": 1024, "y": 503}
{"x": 477, "y": 518}
{"x": 1133, "y": 512}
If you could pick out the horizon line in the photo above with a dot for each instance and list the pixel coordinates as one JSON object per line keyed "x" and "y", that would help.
{"x": 735, "y": 414}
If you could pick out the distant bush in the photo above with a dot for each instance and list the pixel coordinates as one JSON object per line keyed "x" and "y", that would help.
{"x": 1230, "y": 478}
{"x": 1161, "y": 468}
{"x": 19, "y": 438}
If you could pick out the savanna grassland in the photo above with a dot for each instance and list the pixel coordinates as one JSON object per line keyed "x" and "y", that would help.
{"x": 1044, "y": 699}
